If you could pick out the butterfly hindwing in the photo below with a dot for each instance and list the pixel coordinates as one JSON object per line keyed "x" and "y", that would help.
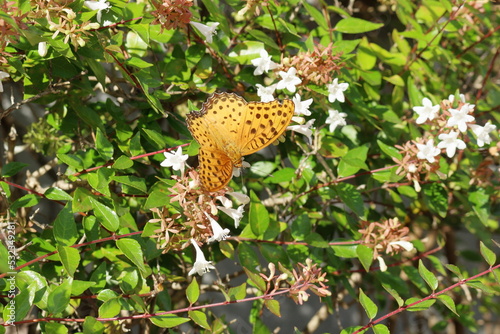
{"x": 216, "y": 169}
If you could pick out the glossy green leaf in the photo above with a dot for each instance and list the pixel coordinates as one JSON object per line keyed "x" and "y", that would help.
{"x": 65, "y": 227}
{"x": 12, "y": 168}
{"x": 107, "y": 216}
{"x": 168, "y": 320}
{"x": 365, "y": 255}
{"x": 353, "y": 25}
{"x": 70, "y": 258}
{"x": 193, "y": 291}
{"x": 59, "y": 298}
{"x": 487, "y": 254}
{"x": 368, "y": 305}
{"x": 133, "y": 251}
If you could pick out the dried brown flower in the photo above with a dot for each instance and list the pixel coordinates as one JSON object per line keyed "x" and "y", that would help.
{"x": 172, "y": 14}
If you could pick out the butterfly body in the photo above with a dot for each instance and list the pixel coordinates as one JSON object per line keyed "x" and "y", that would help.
{"x": 228, "y": 128}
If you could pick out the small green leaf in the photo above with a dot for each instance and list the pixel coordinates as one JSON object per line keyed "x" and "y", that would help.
{"x": 59, "y": 298}
{"x": 258, "y": 218}
{"x": 353, "y": 25}
{"x": 200, "y": 318}
{"x": 103, "y": 146}
{"x": 110, "y": 308}
{"x": 65, "y": 227}
{"x": 370, "y": 308}
{"x": 394, "y": 294}
{"x": 57, "y": 194}
{"x": 12, "y": 168}
{"x": 454, "y": 269}
{"x": 238, "y": 292}
{"x": 345, "y": 251}
{"x": 351, "y": 197}
{"x": 70, "y": 258}
{"x": 123, "y": 162}
{"x": 168, "y": 320}
{"x": 248, "y": 257}
{"x": 133, "y": 251}
{"x": 227, "y": 249}
{"x": 421, "y": 306}
{"x": 27, "y": 201}
{"x": 256, "y": 280}
{"x": 448, "y": 302}
{"x": 428, "y": 276}
{"x": 436, "y": 198}
{"x": 380, "y": 329}
{"x": 92, "y": 326}
{"x": 282, "y": 175}
{"x": 477, "y": 284}
{"x": 273, "y": 306}
{"x": 108, "y": 217}
{"x": 390, "y": 151}
{"x": 132, "y": 181}
{"x": 353, "y": 161}
{"x": 55, "y": 328}
{"x": 365, "y": 255}
{"x": 193, "y": 291}
{"x": 487, "y": 254}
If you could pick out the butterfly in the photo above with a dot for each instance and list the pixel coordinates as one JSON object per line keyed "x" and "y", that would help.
{"x": 227, "y": 128}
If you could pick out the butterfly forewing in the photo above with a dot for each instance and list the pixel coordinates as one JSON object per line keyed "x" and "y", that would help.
{"x": 264, "y": 123}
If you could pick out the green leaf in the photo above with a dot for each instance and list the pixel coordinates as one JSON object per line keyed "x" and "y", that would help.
{"x": 65, "y": 227}
{"x": 428, "y": 276}
{"x": 55, "y": 328}
{"x": 282, "y": 175}
{"x": 394, "y": 294}
{"x": 133, "y": 251}
{"x": 365, "y": 255}
{"x": 353, "y": 161}
{"x": 318, "y": 17}
{"x": 92, "y": 326}
{"x": 168, "y": 320}
{"x": 123, "y": 162}
{"x": 380, "y": 329}
{"x": 390, "y": 151}
{"x": 57, "y": 194}
{"x": 436, "y": 198}
{"x": 345, "y": 251}
{"x": 238, "y": 292}
{"x": 27, "y": 201}
{"x": 258, "y": 217}
{"x": 477, "y": 284}
{"x": 353, "y": 25}
{"x": 256, "y": 279}
{"x": 59, "y": 298}
{"x": 70, "y": 258}
{"x": 370, "y": 308}
{"x": 448, "y": 302}
{"x": 108, "y": 217}
{"x": 421, "y": 306}
{"x": 454, "y": 269}
{"x": 132, "y": 181}
{"x": 193, "y": 292}
{"x": 103, "y": 146}
{"x": 227, "y": 249}
{"x": 110, "y": 308}
{"x": 12, "y": 168}
{"x": 351, "y": 197}
{"x": 487, "y": 254}
{"x": 248, "y": 257}
{"x": 274, "y": 306}
{"x": 200, "y": 318}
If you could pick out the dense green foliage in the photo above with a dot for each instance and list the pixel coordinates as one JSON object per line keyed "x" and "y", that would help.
{"x": 356, "y": 205}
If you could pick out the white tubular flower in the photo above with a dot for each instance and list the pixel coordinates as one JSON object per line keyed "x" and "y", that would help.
{"x": 335, "y": 118}
{"x": 483, "y": 133}
{"x": 408, "y": 246}
{"x": 242, "y": 198}
{"x": 428, "y": 151}
{"x": 427, "y": 111}
{"x": 381, "y": 262}
{"x": 177, "y": 161}
{"x": 263, "y": 64}
{"x": 226, "y": 202}
{"x": 42, "y": 49}
{"x": 460, "y": 117}
{"x": 3, "y": 75}
{"x": 201, "y": 265}
{"x": 301, "y": 107}
{"x": 289, "y": 80}
{"x": 219, "y": 233}
{"x": 305, "y": 129}
{"x": 236, "y": 214}
{"x": 99, "y": 5}
{"x": 336, "y": 91}
{"x": 450, "y": 142}
{"x": 206, "y": 30}
{"x": 266, "y": 93}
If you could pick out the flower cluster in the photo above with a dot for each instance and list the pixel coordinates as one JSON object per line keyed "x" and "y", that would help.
{"x": 449, "y": 128}
{"x": 196, "y": 219}
{"x": 308, "y": 277}
{"x": 316, "y": 67}
{"x": 69, "y": 27}
{"x": 9, "y": 29}
{"x": 172, "y": 14}
{"x": 387, "y": 237}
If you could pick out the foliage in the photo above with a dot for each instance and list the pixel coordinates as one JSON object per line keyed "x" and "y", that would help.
{"x": 392, "y": 157}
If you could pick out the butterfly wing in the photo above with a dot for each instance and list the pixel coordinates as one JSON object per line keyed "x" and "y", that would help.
{"x": 216, "y": 169}
{"x": 263, "y": 123}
